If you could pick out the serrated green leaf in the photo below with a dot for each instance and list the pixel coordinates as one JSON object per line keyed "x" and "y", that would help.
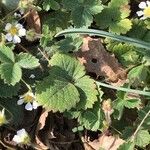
{"x": 92, "y": 118}
{"x": 88, "y": 92}
{"x": 11, "y": 73}
{"x": 26, "y": 60}
{"x": 50, "y": 4}
{"x": 6, "y": 54}
{"x": 138, "y": 73}
{"x": 116, "y": 3}
{"x": 57, "y": 94}
{"x": 82, "y": 11}
{"x": 123, "y": 26}
{"x": 73, "y": 67}
{"x": 142, "y": 138}
{"x": 126, "y": 146}
{"x": 8, "y": 90}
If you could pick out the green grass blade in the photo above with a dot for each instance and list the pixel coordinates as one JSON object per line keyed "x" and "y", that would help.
{"x": 123, "y": 89}
{"x": 135, "y": 42}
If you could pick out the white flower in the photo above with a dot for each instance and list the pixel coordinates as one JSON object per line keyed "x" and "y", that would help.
{"x": 32, "y": 76}
{"x": 145, "y": 10}
{"x": 2, "y": 117}
{"x": 19, "y": 13}
{"x": 14, "y": 32}
{"x": 30, "y": 101}
{"x": 22, "y": 137}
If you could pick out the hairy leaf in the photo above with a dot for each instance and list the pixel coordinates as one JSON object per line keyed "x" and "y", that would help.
{"x": 11, "y": 73}
{"x": 142, "y": 138}
{"x": 126, "y": 146}
{"x": 26, "y": 60}
{"x": 6, "y": 54}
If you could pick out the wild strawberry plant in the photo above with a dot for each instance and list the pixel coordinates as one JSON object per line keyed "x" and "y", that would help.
{"x": 40, "y": 70}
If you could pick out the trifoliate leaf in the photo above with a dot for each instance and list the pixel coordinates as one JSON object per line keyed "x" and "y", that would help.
{"x": 26, "y": 60}
{"x": 6, "y": 54}
{"x": 68, "y": 71}
{"x": 127, "y": 146}
{"x": 138, "y": 73}
{"x": 57, "y": 94}
{"x": 142, "y": 138}
{"x": 88, "y": 92}
{"x": 92, "y": 118}
{"x": 82, "y": 11}
{"x": 8, "y": 90}
{"x": 11, "y": 73}
{"x": 69, "y": 64}
{"x": 50, "y": 4}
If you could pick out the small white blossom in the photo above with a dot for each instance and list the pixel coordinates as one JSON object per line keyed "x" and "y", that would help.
{"x": 3, "y": 119}
{"x": 32, "y": 76}
{"x": 19, "y": 13}
{"x": 29, "y": 100}
{"x": 144, "y": 13}
{"x": 21, "y": 137}
{"x": 14, "y": 32}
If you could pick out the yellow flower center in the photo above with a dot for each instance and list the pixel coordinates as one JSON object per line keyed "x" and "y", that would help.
{"x": 147, "y": 12}
{"x": 28, "y": 98}
{"x": 13, "y": 30}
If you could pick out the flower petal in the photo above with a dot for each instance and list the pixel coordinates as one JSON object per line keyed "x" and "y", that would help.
{"x": 17, "y": 139}
{"x": 148, "y": 3}
{"x": 142, "y": 5}
{"x": 16, "y": 39}
{"x": 142, "y": 18}
{"x": 35, "y": 104}
{"x": 8, "y": 26}
{"x": 8, "y": 37}
{"x": 140, "y": 13}
{"x": 22, "y": 32}
{"x": 21, "y": 132}
{"x": 29, "y": 106}
{"x": 18, "y": 26}
{"x": 20, "y": 101}
{"x": 32, "y": 76}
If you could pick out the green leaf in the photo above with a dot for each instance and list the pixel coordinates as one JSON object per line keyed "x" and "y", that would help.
{"x": 82, "y": 11}
{"x": 6, "y": 54}
{"x": 142, "y": 138}
{"x": 122, "y": 26}
{"x": 92, "y": 119}
{"x": 132, "y": 103}
{"x": 116, "y": 3}
{"x": 138, "y": 73}
{"x": 57, "y": 94}
{"x": 10, "y": 4}
{"x": 88, "y": 92}
{"x": 73, "y": 67}
{"x": 141, "y": 114}
{"x": 26, "y": 60}
{"x": 8, "y": 90}
{"x": 50, "y": 4}
{"x": 11, "y": 73}
{"x": 126, "y": 146}
{"x": 14, "y": 109}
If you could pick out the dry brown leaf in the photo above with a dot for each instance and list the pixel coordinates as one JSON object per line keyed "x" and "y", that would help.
{"x": 97, "y": 60}
{"x": 33, "y": 21}
{"x": 106, "y": 142}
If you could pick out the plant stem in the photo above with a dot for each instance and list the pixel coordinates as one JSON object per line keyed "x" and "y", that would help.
{"x": 27, "y": 85}
{"x": 138, "y": 128}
